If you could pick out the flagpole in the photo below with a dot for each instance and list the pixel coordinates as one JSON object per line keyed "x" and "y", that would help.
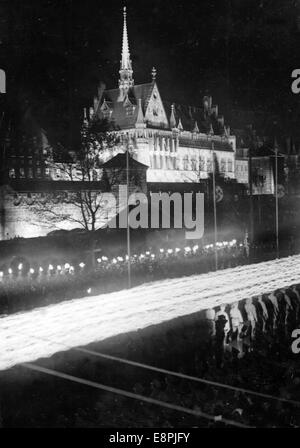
{"x": 276, "y": 200}
{"x": 128, "y": 220}
{"x": 251, "y": 201}
{"x": 215, "y": 205}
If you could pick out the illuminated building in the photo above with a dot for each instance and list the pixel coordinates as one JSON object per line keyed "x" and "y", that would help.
{"x": 174, "y": 141}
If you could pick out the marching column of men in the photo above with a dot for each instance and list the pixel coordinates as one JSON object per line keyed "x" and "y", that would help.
{"x": 238, "y": 327}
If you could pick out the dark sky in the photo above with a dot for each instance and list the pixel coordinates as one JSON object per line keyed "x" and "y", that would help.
{"x": 242, "y": 52}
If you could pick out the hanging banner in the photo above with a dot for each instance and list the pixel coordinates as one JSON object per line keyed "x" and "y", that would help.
{"x": 262, "y": 176}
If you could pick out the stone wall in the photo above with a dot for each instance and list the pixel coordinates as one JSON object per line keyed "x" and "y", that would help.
{"x": 30, "y": 215}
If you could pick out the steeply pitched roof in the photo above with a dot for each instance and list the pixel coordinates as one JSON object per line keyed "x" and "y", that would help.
{"x": 124, "y": 113}
{"x": 219, "y": 145}
{"x": 120, "y": 114}
{"x": 189, "y": 116}
{"x": 119, "y": 161}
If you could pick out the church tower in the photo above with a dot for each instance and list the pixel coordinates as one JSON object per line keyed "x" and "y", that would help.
{"x": 126, "y": 81}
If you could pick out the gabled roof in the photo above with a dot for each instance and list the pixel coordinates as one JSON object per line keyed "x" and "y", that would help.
{"x": 122, "y": 117}
{"x": 119, "y": 161}
{"x": 125, "y": 112}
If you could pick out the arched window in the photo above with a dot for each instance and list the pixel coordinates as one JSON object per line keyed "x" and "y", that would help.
{"x": 194, "y": 164}
{"x": 161, "y": 143}
{"x": 186, "y": 162}
{"x": 201, "y": 163}
{"x": 161, "y": 162}
{"x": 155, "y": 143}
{"x": 152, "y": 161}
{"x": 171, "y": 163}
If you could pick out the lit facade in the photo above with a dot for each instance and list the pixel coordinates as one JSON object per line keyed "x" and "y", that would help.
{"x": 176, "y": 142}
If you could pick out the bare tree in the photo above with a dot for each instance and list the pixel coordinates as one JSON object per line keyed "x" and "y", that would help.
{"x": 84, "y": 187}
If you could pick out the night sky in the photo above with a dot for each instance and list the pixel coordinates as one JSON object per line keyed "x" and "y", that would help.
{"x": 242, "y": 52}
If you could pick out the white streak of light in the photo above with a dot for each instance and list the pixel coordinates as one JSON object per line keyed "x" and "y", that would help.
{"x": 82, "y": 321}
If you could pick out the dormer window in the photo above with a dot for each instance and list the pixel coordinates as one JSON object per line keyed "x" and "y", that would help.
{"x": 106, "y": 110}
{"x": 107, "y": 114}
{"x": 129, "y": 110}
{"x": 129, "y": 107}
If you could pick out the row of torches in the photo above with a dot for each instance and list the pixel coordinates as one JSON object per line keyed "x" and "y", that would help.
{"x": 68, "y": 268}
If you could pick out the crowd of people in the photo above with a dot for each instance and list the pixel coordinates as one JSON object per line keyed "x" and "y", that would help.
{"x": 41, "y": 285}
{"x": 57, "y": 280}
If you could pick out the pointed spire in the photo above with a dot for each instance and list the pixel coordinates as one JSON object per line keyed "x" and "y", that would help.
{"x": 126, "y": 72}
{"x": 91, "y": 112}
{"x": 180, "y": 127}
{"x": 172, "y": 117}
{"x": 140, "y": 122}
{"x": 85, "y": 118}
{"x": 211, "y": 129}
{"x": 125, "y": 63}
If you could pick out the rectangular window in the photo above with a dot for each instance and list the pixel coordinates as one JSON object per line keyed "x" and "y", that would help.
{"x": 129, "y": 111}
{"x": 223, "y": 166}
